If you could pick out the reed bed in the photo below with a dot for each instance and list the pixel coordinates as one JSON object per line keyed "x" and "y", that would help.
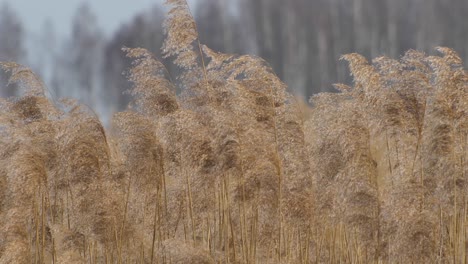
{"x": 234, "y": 169}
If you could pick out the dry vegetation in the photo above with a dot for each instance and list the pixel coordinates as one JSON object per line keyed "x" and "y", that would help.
{"x": 235, "y": 170}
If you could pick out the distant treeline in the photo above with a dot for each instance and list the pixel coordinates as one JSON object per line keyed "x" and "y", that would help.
{"x": 301, "y": 39}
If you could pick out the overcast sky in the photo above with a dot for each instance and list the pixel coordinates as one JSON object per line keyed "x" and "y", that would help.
{"x": 110, "y": 13}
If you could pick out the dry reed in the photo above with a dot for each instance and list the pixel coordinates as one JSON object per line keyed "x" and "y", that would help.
{"x": 233, "y": 169}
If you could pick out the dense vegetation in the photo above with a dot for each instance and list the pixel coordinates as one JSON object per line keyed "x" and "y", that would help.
{"x": 234, "y": 170}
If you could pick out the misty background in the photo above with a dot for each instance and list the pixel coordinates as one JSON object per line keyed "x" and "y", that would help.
{"x": 76, "y": 46}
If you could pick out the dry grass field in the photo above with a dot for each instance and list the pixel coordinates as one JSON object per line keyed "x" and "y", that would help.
{"x": 234, "y": 169}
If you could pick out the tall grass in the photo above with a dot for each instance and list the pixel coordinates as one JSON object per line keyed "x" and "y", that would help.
{"x": 234, "y": 169}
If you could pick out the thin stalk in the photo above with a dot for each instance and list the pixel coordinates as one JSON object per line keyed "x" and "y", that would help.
{"x": 42, "y": 229}
{"x": 163, "y": 173}
{"x": 37, "y": 256}
{"x": 154, "y": 231}
{"x": 388, "y": 156}
{"x": 123, "y": 221}
{"x": 279, "y": 170}
{"x": 189, "y": 194}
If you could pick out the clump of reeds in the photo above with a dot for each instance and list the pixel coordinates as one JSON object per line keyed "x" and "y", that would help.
{"x": 408, "y": 113}
{"x": 233, "y": 169}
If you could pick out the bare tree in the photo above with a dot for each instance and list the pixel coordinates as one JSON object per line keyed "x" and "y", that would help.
{"x": 11, "y": 44}
{"x": 145, "y": 30}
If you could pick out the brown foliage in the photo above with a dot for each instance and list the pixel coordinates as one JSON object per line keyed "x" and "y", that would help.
{"x": 235, "y": 170}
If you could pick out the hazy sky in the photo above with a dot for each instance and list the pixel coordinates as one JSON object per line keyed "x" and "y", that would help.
{"x": 111, "y": 13}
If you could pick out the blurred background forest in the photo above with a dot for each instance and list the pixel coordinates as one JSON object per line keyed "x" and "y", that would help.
{"x": 301, "y": 39}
